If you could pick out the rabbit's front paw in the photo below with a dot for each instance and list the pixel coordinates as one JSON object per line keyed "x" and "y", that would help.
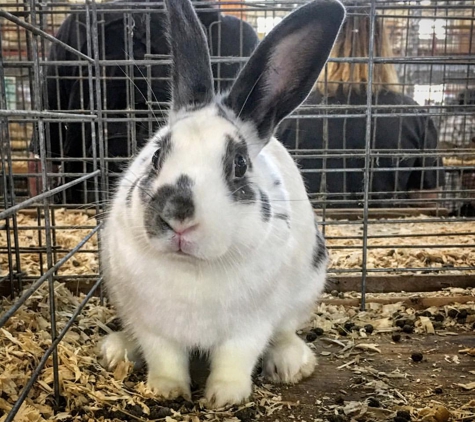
{"x": 288, "y": 361}
{"x": 169, "y": 388}
{"x": 117, "y": 347}
{"x": 227, "y": 390}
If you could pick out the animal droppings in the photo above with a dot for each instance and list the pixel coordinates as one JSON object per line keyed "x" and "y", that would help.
{"x": 339, "y": 400}
{"x": 372, "y": 402}
{"x": 348, "y": 325}
{"x": 368, "y": 328}
{"x": 403, "y": 414}
{"x": 311, "y": 337}
{"x": 318, "y": 331}
{"x": 452, "y": 313}
{"x": 396, "y": 338}
{"x": 417, "y": 356}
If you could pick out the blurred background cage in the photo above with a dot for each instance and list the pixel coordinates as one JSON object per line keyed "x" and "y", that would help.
{"x": 75, "y": 104}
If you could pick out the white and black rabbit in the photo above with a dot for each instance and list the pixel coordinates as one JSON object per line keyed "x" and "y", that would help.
{"x": 211, "y": 242}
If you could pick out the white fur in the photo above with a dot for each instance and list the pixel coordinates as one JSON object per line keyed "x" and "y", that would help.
{"x": 246, "y": 283}
{"x": 288, "y": 359}
{"x": 117, "y": 347}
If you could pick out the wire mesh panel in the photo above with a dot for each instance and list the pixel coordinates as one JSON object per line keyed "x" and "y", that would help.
{"x": 385, "y": 143}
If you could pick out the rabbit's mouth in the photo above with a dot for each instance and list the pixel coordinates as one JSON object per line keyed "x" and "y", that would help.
{"x": 181, "y": 245}
{"x": 184, "y": 255}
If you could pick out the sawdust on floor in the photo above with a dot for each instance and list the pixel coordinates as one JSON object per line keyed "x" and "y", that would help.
{"x": 91, "y": 393}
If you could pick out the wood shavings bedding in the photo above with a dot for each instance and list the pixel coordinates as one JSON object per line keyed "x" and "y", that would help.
{"x": 434, "y": 254}
{"x": 402, "y": 254}
{"x": 468, "y": 160}
{"x": 91, "y": 393}
{"x": 65, "y": 239}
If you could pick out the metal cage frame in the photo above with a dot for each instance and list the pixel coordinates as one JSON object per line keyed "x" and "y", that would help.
{"x": 428, "y": 62}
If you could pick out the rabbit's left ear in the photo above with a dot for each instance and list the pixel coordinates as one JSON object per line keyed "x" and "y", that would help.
{"x": 283, "y": 69}
{"x": 192, "y": 79}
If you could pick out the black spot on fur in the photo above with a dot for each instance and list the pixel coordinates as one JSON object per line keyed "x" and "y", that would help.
{"x": 277, "y": 182}
{"x": 265, "y": 206}
{"x": 281, "y": 216}
{"x": 240, "y": 188}
{"x": 170, "y": 202}
{"x": 320, "y": 253}
{"x": 176, "y": 201}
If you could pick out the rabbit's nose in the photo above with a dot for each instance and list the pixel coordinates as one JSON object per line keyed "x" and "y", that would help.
{"x": 183, "y": 228}
{"x": 174, "y": 201}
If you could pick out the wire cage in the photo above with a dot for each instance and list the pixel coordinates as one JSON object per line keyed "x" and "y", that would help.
{"x": 84, "y": 84}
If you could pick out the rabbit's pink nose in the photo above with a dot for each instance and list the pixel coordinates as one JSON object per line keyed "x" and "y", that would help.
{"x": 182, "y": 229}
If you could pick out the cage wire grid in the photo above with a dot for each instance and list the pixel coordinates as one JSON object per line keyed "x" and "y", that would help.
{"x": 433, "y": 56}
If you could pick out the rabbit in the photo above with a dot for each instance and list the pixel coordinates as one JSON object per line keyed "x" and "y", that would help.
{"x": 211, "y": 242}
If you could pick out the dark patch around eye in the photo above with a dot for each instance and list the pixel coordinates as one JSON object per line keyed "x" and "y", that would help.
{"x": 240, "y": 188}
{"x": 240, "y": 166}
{"x": 156, "y": 159}
{"x": 165, "y": 146}
{"x": 265, "y": 206}
{"x": 320, "y": 253}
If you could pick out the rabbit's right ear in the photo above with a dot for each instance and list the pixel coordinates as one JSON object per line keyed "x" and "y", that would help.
{"x": 283, "y": 69}
{"x": 192, "y": 79}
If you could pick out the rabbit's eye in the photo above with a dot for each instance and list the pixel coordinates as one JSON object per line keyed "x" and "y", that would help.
{"x": 155, "y": 159}
{"x": 240, "y": 166}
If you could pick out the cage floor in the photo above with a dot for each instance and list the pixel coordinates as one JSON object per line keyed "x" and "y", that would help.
{"x": 361, "y": 376}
